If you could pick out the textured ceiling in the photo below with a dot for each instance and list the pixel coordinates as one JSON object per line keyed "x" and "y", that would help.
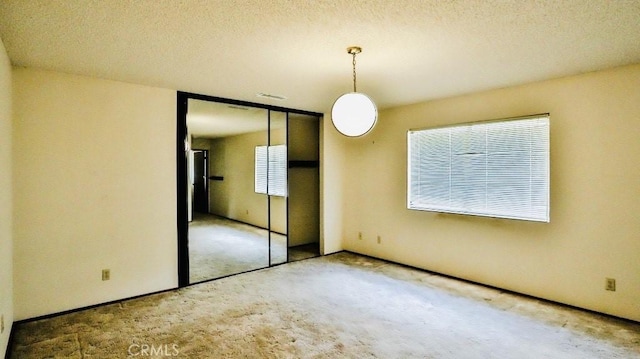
{"x": 412, "y": 50}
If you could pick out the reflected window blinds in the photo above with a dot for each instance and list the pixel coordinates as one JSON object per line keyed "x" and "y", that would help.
{"x": 271, "y": 170}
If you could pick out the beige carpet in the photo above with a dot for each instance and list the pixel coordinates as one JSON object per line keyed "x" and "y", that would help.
{"x": 338, "y": 306}
{"x": 304, "y": 251}
{"x": 220, "y": 247}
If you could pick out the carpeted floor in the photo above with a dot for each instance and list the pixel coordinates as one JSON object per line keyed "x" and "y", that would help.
{"x": 337, "y": 306}
{"x": 304, "y": 251}
{"x": 220, "y": 247}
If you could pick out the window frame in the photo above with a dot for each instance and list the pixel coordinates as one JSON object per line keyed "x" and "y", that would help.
{"x": 537, "y": 171}
{"x": 271, "y": 175}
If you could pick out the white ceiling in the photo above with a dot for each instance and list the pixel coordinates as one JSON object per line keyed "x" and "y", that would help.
{"x": 412, "y": 50}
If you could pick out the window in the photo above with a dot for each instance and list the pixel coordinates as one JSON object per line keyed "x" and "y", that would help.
{"x": 271, "y": 170}
{"x": 495, "y": 169}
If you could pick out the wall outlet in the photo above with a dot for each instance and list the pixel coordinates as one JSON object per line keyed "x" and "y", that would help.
{"x": 610, "y": 284}
{"x": 360, "y": 235}
{"x": 106, "y": 274}
{"x": 379, "y": 239}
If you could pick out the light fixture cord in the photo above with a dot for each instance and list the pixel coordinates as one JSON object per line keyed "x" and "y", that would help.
{"x": 354, "y": 72}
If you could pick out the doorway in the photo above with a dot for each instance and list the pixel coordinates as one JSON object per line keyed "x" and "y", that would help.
{"x": 200, "y": 181}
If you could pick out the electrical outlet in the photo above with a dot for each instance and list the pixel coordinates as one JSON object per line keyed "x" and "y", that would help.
{"x": 610, "y": 284}
{"x": 360, "y": 235}
{"x": 379, "y": 239}
{"x": 106, "y": 274}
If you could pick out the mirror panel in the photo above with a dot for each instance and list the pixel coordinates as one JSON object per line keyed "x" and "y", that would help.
{"x": 251, "y": 179}
{"x": 279, "y": 191}
{"x": 230, "y": 236}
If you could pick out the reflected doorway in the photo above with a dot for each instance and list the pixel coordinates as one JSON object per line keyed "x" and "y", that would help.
{"x": 200, "y": 187}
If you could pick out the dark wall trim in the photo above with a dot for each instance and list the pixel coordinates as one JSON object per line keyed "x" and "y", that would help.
{"x": 303, "y": 164}
{"x": 183, "y": 211}
{"x": 195, "y": 96}
{"x": 7, "y": 354}
{"x": 524, "y": 295}
{"x": 70, "y": 311}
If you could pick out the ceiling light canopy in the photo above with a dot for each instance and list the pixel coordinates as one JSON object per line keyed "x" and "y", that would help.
{"x": 354, "y": 114}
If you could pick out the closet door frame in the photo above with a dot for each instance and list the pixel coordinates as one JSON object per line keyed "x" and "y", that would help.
{"x": 181, "y": 169}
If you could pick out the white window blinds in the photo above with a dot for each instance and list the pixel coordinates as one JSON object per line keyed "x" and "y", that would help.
{"x": 261, "y": 169}
{"x": 495, "y": 169}
{"x": 271, "y": 170}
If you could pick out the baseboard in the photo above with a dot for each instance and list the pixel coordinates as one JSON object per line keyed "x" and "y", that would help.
{"x": 7, "y": 353}
{"x": 57, "y": 314}
{"x": 242, "y": 222}
{"x": 496, "y": 288}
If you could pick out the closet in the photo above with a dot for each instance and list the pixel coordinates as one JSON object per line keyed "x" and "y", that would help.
{"x": 248, "y": 186}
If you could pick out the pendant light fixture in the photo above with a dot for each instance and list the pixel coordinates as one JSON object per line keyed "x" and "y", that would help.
{"x": 354, "y": 114}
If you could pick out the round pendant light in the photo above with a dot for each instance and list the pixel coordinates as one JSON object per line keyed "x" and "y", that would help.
{"x": 354, "y": 114}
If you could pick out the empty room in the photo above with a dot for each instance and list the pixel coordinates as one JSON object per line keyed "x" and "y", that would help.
{"x": 320, "y": 179}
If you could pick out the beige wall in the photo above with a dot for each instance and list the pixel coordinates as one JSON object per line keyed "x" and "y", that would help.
{"x": 233, "y": 158}
{"x": 94, "y": 173}
{"x": 595, "y": 192}
{"x": 234, "y": 197}
{"x": 200, "y": 144}
{"x": 333, "y": 173}
{"x": 88, "y": 193}
{"x": 6, "y": 236}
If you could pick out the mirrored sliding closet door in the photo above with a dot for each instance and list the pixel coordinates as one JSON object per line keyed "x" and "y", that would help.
{"x": 235, "y": 177}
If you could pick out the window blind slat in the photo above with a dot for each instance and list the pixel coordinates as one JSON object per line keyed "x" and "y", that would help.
{"x": 498, "y": 169}
{"x": 271, "y": 170}
{"x": 261, "y": 169}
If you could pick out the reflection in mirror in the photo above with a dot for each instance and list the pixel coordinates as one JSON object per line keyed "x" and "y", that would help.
{"x": 278, "y": 186}
{"x": 228, "y": 217}
{"x": 248, "y": 186}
